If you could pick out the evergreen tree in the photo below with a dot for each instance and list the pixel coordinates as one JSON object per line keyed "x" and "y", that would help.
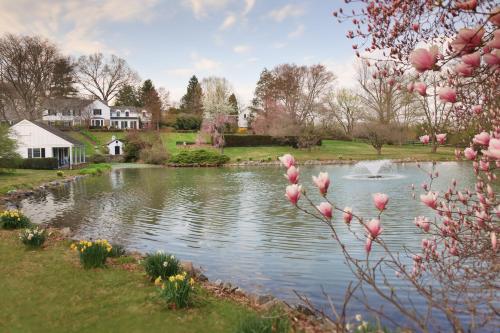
{"x": 63, "y": 78}
{"x": 127, "y": 96}
{"x": 150, "y": 99}
{"x": 192, "y": 102}
{"x": 145, "y": 91}
{"x": 234, "y": 104}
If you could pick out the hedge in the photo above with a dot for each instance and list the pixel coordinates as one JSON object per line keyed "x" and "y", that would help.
{"x": 48, "y": 163}
{"x": 198, "y": 157}
{"x": 187, "y": 122}
{"x": 233, "y": 140}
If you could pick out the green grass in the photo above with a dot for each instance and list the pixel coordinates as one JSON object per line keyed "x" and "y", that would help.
{"x": 95, "y": 169}
{"x": 330, "y": 150}
{"x": 341, "y": 150}
{"x": 29, "y": 179}
{"x": 47, "y": 291}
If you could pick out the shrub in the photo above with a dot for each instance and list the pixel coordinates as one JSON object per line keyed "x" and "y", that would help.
{"x": 161, "y": 265}
{"x": 60, "y": 173}
{"x": 14, "y": 219}
{"x": 176, "y": 290}
{"x": 39, "y": 163}
{"x": 234, "y": 140}
{"x": 117, "y": 250}
{"x": 92, "y": 254}
{"x": 133, "y": 146}
{"x": 95, "y": 169}
{"x": 154, "y": 155}
{"x": 33, "y": 237}
{"x": 199, "y": 157}
{"x": 275, "y": 322}
{"x": 98, "y": 158}
{"x": 187, "y": 122}
{"x": 10, "y": 163}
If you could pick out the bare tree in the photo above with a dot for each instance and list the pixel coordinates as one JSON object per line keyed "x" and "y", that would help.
{"x": 27, "y": 67}
{"x": 345, "y": 107}
{"x": 103, "y": 77}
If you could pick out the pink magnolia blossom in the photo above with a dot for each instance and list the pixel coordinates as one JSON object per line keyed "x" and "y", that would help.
{"x": 482, "y": 138}
{"x": 380, "y": 200}
{"x": 326, "y": 210}
{"x": 447, "y": 94}
{"x": 470, "y": 153}
{"x": 441, "y": 138}
{"x": 467, "y": 5}
{"x": 292, "y": 174}
{"x": 374, "y": 228}
{"x": 421, "y": 88}
{"x": 467, "y": 40}
{"x": 477, "y": 109}
{"x": 473, "y": 59}
{"x": 492, "y": 58}
{"x": 415, "y": 27}
{"x": 423, "y": 223}
{"x": 410, "y": 87}
{"x": 287, "y": 160}
{"x": 429, "y": 199}
{"x": 493, "y": 237}
{"x": 347, "y": 215}
{"x": 493, "y": 149}
{"x": 322, "y": 182}
{"x": 463, "y": 69}
{"x": 423, "y": 60}
{"x": 425, "y": 139}
{"x": 293, "y": 193}
{"x": 453, "y": 251}
{"x": 484, "y": 165}
{"x": 368, "y": 244}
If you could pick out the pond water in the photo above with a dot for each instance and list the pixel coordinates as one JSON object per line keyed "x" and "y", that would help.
{"x": 236, "y": 222}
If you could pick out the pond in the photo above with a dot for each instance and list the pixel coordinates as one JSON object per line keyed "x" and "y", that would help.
{"x": 236, "y": 222}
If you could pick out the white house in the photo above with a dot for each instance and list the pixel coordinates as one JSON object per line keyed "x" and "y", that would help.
{"x": 115, "y": 146}
{"x": 38, "y": 140}
{"x": 80, "y": 112}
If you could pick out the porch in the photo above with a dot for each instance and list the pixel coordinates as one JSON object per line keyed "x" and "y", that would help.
{"x": 68, "y": 157}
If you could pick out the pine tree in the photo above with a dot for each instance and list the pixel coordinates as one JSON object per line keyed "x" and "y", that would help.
{"x": 150, "y": 99}
{"x": 127, "y": 96}
{"x": 63, "y": 78}
{"x": 192, "y": 102}
{"x": 234, "y": 103}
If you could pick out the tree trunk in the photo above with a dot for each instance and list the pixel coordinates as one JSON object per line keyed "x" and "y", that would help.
{"x": 379, "y": 150}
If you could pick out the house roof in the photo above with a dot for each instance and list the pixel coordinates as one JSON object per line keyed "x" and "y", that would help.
{"x": 58, "y": 133}
{"x": 110, "y": 141}
{"x": 65, "y": 103}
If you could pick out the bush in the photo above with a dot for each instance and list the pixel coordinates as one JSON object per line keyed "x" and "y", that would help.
{"x": 176, "y": 290}
{"x": 97, "y": 158}
{"x": 92, "y": 254}
{"x": 154, "y": 155}
{"x": 133, "y": 146}
{"x": 39, "y": 163}
{"x": 95, "y": 169}
{"x": 187, "y": 122}
{"x": 14, "y": 219}
{"x": 161, "y": 265}
{"x": 10, "y": 163}
{"x": 33, "y": 237}
{"x": 199, "y": 157}
{"x": 274, "y": 322}
{"x": 60, "y": 173}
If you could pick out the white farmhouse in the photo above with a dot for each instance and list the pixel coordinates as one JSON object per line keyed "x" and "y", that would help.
{"x": 37, "y": 140}
{"x": 76, "y": 112}
{"x": 115, "y": 146}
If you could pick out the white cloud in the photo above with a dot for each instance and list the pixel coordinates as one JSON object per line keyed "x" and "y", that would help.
{"x": 279, "y": 45}
{"x": 345, "y": 71}
{"x": 201, "y": 8}
{"x": 241, "y": 48}
{"x": 229, "y": 21}
{"x": 286, "y": 11}
{"x": 77, "y": 22}
{"x": 249, "y": 4}
{"x": 298, "y": 32}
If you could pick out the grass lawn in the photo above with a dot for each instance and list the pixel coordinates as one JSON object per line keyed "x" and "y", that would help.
{"x": 28, "y": 179}
{"x": 336, "y": 150}
{"x": 47, "y": 291}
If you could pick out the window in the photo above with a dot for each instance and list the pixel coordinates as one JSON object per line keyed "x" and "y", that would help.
{"x": 117, "y": 113}
{"x": 52, "y": 112}
{"x": 97, "y": 112}
{"x": 115, "y": 124}
{"x": 126, "y": 114}
{"x": 97, "y": 122}
{"x": 124, "y": 124}
{"x": 36, "y": 152}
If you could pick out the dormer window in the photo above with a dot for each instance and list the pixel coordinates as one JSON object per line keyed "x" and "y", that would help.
{"x": 117, "y": 113}
{"x": 127, "y": 114}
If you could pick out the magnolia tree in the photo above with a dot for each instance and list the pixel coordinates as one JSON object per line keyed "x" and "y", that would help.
{"x": 456, "y": 270}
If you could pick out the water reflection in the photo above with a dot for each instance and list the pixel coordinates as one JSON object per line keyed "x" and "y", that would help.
{"x": 236, "y": 222}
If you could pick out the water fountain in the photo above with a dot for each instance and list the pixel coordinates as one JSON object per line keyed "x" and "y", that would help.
{"x": 374, "y": 169}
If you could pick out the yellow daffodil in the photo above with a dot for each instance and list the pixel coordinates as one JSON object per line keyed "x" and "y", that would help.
{"x": 158, "y": 281}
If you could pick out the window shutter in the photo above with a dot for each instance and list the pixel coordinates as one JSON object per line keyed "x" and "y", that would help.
{"x": 30, "y": 153}
{"x": 43, "y": 152}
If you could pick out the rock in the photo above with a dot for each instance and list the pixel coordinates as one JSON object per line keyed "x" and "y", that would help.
{"x": 263, "y": 299}
{"x": 304, "y": 310}
{"x": 218, "y": 283}
{"x": 227, "y": 286}
{"x": 188, "y": 267}
{"x": 201, "y": 277}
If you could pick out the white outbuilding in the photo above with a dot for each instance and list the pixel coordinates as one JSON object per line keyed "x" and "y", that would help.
{"x": 115, "y": 146}
{"x": 38, "y": 140}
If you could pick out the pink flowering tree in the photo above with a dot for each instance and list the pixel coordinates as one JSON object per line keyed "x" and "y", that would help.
{"x": 456, "y": 271}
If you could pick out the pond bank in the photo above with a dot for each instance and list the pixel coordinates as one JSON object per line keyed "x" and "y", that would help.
{"x": 117, "y": 296}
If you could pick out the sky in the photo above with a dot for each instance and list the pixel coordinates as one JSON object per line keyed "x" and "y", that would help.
{"x": 169, "y": 41}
